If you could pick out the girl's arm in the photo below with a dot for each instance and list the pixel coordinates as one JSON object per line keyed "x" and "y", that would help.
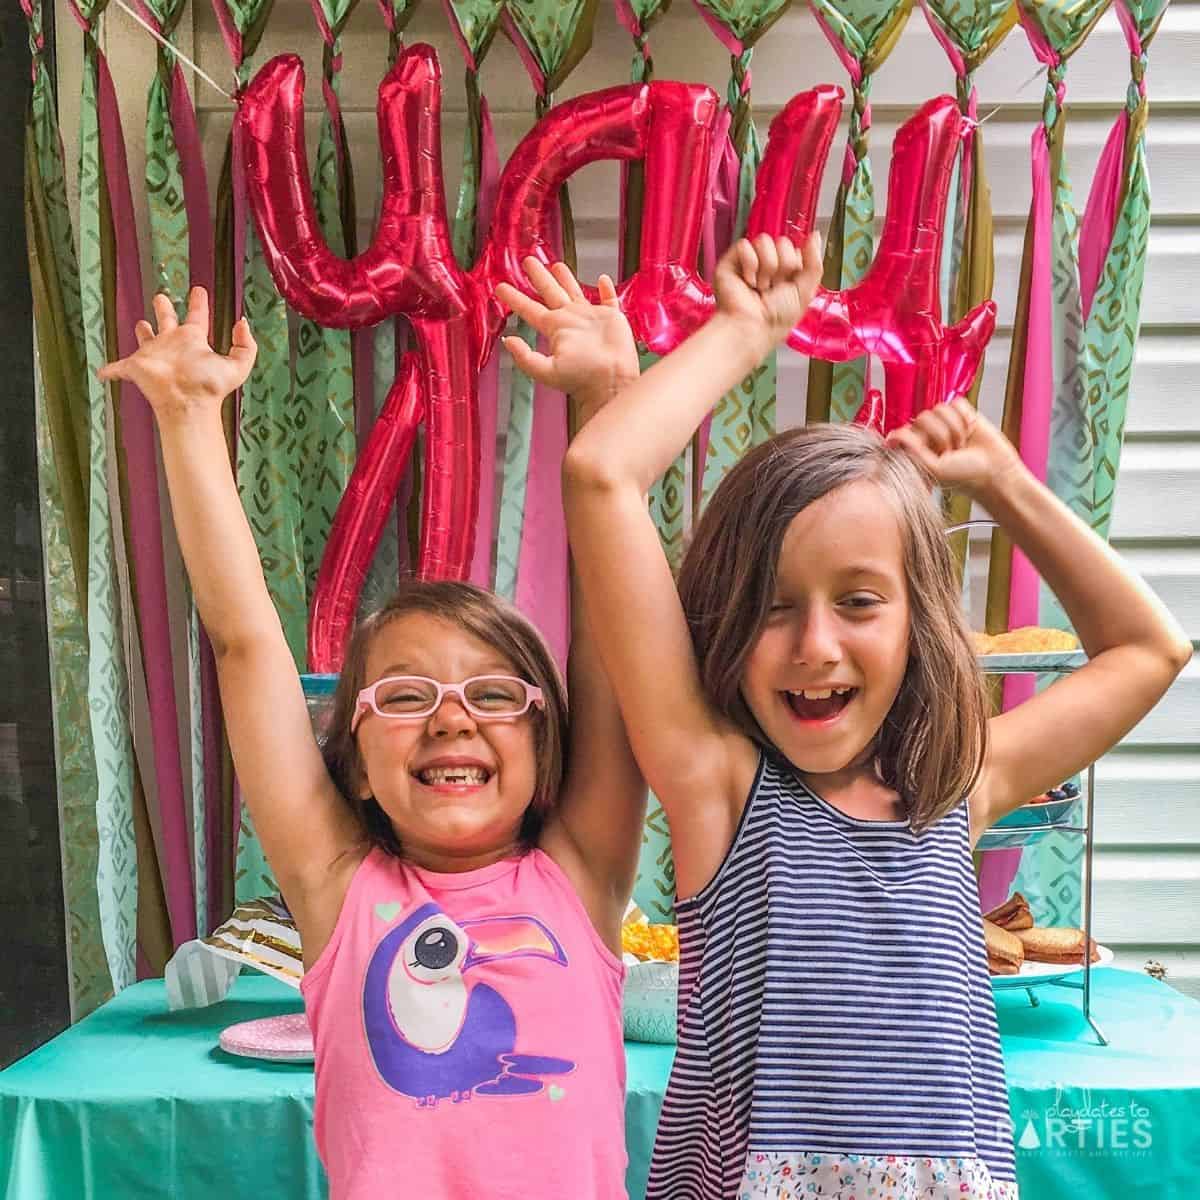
{"x": 1135, "y": 648}
{"x": 699, "y": 766}
{"x": 304, "y": 825}
{"x": 596, "y": 831}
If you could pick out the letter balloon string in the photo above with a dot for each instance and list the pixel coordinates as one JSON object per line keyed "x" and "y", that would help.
{"x": 174, "y": 50}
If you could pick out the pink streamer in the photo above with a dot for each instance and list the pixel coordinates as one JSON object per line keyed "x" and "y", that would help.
{"x": 723, "y": 33}
{"x": 852, "y": 65}
{"x": 210, "y": 725}
{"x": 1000, "y": 867}
{"x": 404, "y": 493}
{"x": 526, "y": 54}
{"x": 1043, "y": 51}
{"x": 710, "y": 243}
{"x": 952, "y": 51}
{"x": 363, "y": 363}
{"x": 456, "y": 28}
{"x": 543, "y": 582}
{"x": 322, "y": 23}
{"x": 1038, "y": 385}
{"x": 543, "y": 592}
{"x": 629, "y": 19}
{"x": 195, "y": 182}
{"x": 145, "y": 531}
{"x": 489, "y": 375}
{"x": 1133, "y": 39}
{"x": 1100, "y": 216}
{"x": 849, "y": 165}
{"x": 335, "y": 116}
{"x": 965, "y": 169}
{"x": 229, "y": 31}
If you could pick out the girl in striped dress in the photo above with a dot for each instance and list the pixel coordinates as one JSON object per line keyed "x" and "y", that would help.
{"x": 807, "y": 707}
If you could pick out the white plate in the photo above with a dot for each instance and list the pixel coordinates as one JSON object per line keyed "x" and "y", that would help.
{"x": 1034, "y": 973}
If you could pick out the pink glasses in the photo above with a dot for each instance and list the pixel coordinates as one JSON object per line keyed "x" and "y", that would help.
{"x": 414, "y": 697}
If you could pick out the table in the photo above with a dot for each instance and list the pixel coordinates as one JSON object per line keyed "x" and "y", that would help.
{"x": 136, "y": 1101}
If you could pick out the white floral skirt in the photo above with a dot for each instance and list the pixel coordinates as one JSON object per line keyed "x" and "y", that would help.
{"x": 869, "y": 1177}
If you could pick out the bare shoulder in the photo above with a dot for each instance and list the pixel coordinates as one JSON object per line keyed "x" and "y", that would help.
{"x": 316, "y": 900}
{"x": 703, "y": 810}
{"x": 982, "y": 806}
{"x": 603, "y": 907}
{"x": 706, "y": 807}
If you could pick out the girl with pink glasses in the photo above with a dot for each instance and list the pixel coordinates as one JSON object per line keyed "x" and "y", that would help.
{"x": 458, "y": 858}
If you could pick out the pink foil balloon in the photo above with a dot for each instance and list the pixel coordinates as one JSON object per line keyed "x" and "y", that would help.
{"x": 667, "y": 124}
{"x": 895, "y": 312}
{"x": 789, "y": 177}
{"x": 410, "y": 269}
{"x": 409, "y": 266}
{"x": 365, "y": 508}
{"x": 871, "y": 415}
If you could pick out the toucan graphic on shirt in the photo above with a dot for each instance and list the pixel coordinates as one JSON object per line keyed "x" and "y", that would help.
{"x": 434, "y": 1033}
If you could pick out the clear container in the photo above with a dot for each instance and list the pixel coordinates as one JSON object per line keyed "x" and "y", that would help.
{"x": 318, "y": 695}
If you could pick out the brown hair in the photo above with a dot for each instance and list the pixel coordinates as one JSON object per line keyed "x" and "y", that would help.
{"x": 931, "y": 745}
{"x": 483, "y": 615}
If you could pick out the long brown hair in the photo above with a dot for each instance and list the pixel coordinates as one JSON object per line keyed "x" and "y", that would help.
{"x": 487, "y": 617}
{"x": 931, "y": 745}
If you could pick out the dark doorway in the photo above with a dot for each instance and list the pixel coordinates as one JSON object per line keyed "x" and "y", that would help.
{"x": 34, "y": 1002}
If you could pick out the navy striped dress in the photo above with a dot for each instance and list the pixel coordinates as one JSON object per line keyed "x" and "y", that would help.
{"x": 834, "y": 1006}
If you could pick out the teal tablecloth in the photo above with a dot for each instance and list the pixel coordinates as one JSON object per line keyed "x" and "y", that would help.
{"x": 138, "y": 1102}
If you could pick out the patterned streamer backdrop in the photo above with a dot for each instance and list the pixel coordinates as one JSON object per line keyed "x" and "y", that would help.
{"x": 267, "y": 428}
{"x": 181, "y": 249}
{"x": 155, "y": 846}
{"x": 108, "y": 681}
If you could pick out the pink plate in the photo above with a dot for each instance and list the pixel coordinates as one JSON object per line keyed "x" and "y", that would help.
{"x": 276, "y": 1039}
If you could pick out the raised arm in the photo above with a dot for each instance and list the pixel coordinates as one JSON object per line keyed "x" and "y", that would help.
{"x": 1135, "y": 648}
{"x": 698, "y": 765}
{"x": 304, "y": 826}
{"x": 596, "y": 833}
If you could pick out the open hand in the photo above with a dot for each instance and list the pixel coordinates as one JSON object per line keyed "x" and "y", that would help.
{"x": 176, "y": 369}
{"x": 592, "y": 354}
{"x": 767, "y": 284}
{"x": 958, "y": 447}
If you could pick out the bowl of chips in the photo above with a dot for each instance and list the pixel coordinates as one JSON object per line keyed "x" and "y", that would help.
{"x": 651, "y": 956}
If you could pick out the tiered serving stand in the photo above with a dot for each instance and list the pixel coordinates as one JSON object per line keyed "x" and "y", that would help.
{"x": 1032, "y": 822}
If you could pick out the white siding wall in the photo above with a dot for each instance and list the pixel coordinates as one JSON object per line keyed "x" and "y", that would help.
{"x": 1148, "y": 861}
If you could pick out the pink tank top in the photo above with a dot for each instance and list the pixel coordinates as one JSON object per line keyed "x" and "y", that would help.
{"x": 468, "y": 1038}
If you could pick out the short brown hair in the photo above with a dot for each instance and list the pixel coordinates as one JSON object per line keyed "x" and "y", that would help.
{"x": 931, "y": 745}
{"x": 483, "y": 615}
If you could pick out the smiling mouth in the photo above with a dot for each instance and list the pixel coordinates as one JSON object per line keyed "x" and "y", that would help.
{"x": 819, "y": 704}
{"x": 453, "y": 776}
